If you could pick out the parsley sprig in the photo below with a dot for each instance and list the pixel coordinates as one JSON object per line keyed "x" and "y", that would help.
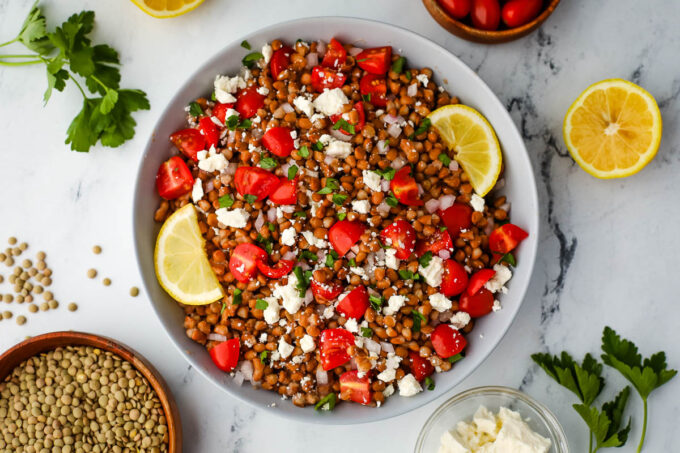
{"x": 68, "y": 54}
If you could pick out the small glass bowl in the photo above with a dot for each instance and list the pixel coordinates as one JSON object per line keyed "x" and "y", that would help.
{"x": 464, "y": 405}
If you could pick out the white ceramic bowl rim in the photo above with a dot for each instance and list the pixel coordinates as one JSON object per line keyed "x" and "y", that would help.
{"x": 487, "y": 333}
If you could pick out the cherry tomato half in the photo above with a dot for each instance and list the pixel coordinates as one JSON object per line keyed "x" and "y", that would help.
{"x": 376, "y": 60}
{"x": 405, "y": 188}
{"x": 279, "y": 141}
{"x": 478, "y": 280}
{"x": 336, "y": 55}
{"x": 225, "y": 355}
{"x": 243, "y": 261}
{"x": 344, "y": 234}
{"x": 401, "y": 236}
{"x": 210, "y": 131}
{"x": 255, "y": 181}
{"x": 189, "y": 142}
{"x": 279, "y": 270}
{"x": 447, "y": 341}
{"x": 420, "y": 366}
{"x": 280, "y": 61}
{"x": 454, "y": 280}
{"x": 326, "y": 291}
{"x": 248, "y": 101}
{"x": 354, "y": 304}
{"x": 285, "y": 193}
{"x": 456, "y": 8}
{"x": 333, "y": 346}
{"x": 374, "y": 86}
{"x": 174, "y": 178}
{"x": 506, "y": 238}
{"x": 486, "y": 14}
{"x": 478, "y": 305}
{"x": 355, "y": 388}
{"x": 440, "y": 240}
{"x": 220, "y": 111}
{"x": 456, "y": 218}
{"x": 520, "y": 12}
{"x": 359, "y": 125}
{"x": 323, "y": 78}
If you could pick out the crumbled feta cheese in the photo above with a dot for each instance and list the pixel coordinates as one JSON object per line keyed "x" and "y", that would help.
{"x": 197, "y": 191}
{"x": 439, "y": 302}
{"x": 339, "y": 149}
{"x": 267, "y": 52}
{"x": 433, "y": 272}
{"x": 235, "y": 218}
{"x": 271, "y": 313}
{"x": 284, "y": 348}
{"x": 391, "y": 260}
{"x": 307, "y": 343}
{"x": 477, "y": 202}
{"x": 359, "y": 271}
{"x": 211, "y": 161}
{"x": 409, "y": 386}
{"x": 352, "y": 325}
{"x": 263, "y": 337}
{"x": 229, "y": 113}
{"x": 328, "y": 312}
{"x": 330, "y": 102}
{"x": 313, "y": 240}
{"x": 289, "y": 295}
{"x": 326, "y": 139}
{"x": 389, "y": 391}
{"x": 262, "y": 90}
{"x": 496, "y": 306}
{"x": 288, "y": 236}
{"x": 372, "y": 180}
{"x": 422, "y": 78}
{"x": 391, "y": 365}
{"x": 225, "y": 86}
{"x": 304, "y": 105}
{"x": 394, "y": 303}
{"x": 275, "y": 358}
{"x": 361, "y": 206}
{"x": 315, "y": 117}
{"x": 460, "y": 319}
{"x": 500, "y": 278}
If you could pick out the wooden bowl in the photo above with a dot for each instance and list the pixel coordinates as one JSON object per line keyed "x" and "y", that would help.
{"x": 470, "y": 33}
{"x": 49, "y": 341}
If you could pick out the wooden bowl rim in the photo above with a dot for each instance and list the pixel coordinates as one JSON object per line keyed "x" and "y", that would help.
{"x": 33, "y": 346}
{"x": 493, "y": 36}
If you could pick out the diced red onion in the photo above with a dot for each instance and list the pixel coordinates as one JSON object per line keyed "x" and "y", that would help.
{"x": 355, "y": 249}
{"x": 328, "y": 160}
{"x": 384, "y": 185}
{"x": 238, "y": 378}
{"x": 394, "y": 130}
{"x": 383, "y": 208}
{"x": 190, "y": 332}
{"x": 289, "y": 255}
{"x": 321, "y": 376}
{"x": 372, "y": 346}
{"x": 287, "y": 108}
{"x": 383, "y": 146}
{"x": 304, "y": 265}
{"x": 446, "y": 201}
{"x": 432, "y": 205}
{"x": 489, "y": 227}
{"x": 232, "y": 137}
{"x": 506, "y": 207}
{"x": 337, "y": 134}
{"x": 453, "y": 166}
{"x": 387, "y": 347}
{"x": 312, "y": 173}
{"x": 246, "y": 368}
{"x": 288, "y": 208}
{"x": 216, "y": 337}
{"x": 351, "y": 254}
{"x": 390, "y": 119}
{"x": 412, "y": 89}
{"x": 444, "y": 254}
{"x": 309, "y": 297}
{"x": 420, "y": 190}
{"x": 259, "y": 221}
{"x": 354, "y": 51}
{"x": 271, "y": 214}
{"x": 312, "y": 60}
{"x": 398, "y": 162}
{"x": 279, "y": 113}
{"x": 445, "y": 315}
{"x": 353, "y": 364}
{"x": 209, "y": 187}
{"x": 321, "y": 48}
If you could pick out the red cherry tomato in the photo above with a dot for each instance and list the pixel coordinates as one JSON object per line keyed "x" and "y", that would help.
{"x": 454, "y": 280}
{"x": 405, "y": 188}
{"x": 506, "y": 238}
{"x": 243, "y": 261}
{"x": 520, "y": 12}
{"x": 174, "y": 178}
{"x": 280, "y": 61}
{"x": 333, "y": 346}
{"x": 279, "y": 141}
{"x": 456, "y": 218}
{"x": 354, "y": 304}
{"x": 279, "y": 270}
{"x": 323, "y": 78}
{"x": 401, "y": 236}
{"x": 210, "y": 131}
{"x": 248, "y": 101}
{"x": 420, "y": 367}
{"x": 220, "y": 111}
{"x": 486, "y": 14}
{"x": 355, "y": 388}
{"x": 447, "y": 341}
{"x": 359, "y": 107}
{"x": 189, "y": 142}
{"x": 285, "y": 193}
{"x": 344, "y": 234}
{"x": 456, "y": 8}
{"x": 336, "y": 55}
{"x": 478, "y": 280}
{"x": 326, "y": 291}
{"x": 375, "y": 86}
{"x": 478, "y": 305}
{"x": 225, "y": 355}
{"x": 255, "y": 181}
{"x": 440, "y": 240}
{"x": 376, "y": 61}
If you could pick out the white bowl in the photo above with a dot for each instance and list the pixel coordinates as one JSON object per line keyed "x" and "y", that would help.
{"x": 460, "y": 81}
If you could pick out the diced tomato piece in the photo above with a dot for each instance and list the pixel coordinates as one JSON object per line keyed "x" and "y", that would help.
{"x": 440, "y": 240}
{"x": 323, "y": 78}
{"x": 359, "y": 125}
{"x": 255, "y": 181}
{"x": 420, "y": 366}
{"x": 248, "y": 101}
{"x": 174, "y": 178}
{"x": 447, "y": 341}
{"x": 401, "y": 236}
{"x": 243, "y": 261}
{"x": 280, "y": 61}
{"x": 456, "y": 218}
{"x": 279, "y": 141}
{"x": 336, "y": 55}
{"x": 506, "y": 238}
{"x": 355, "y": 388}
{"x": 405, "y": 188}
{"x": 210, "y": 131}
{"x": 286, "y": 192}
{"x": 375, "y": 86}
{"x": 454, "y": 280}
{"x": 225, "y": 355}
{"x": 478, "y": 305}
{"x": 354, "y": 304}
{"x": 333, "y": 346}
{"x": 279, "y": 270}
{"x": 478, "y": 280}
{"x": 344, "y": 234}
{"x": 376, "y": 60}
{"x": 326, "y": 291}
{"x": 189, "y": 142}
{"x": 220, "y": 111}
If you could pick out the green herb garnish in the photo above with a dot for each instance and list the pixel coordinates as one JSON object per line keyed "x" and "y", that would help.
{"x": 250, "y": 199}
{"x": 342, "y": 215}
{"x": 236, "y": 299}
{"x": 271, "y": 227}
{"x": 418, "y": 318}
{"x": 445, "y": 159}
{"x": 422, "y": 128}
{"x": 344, "y": 125}
{"x": 303, "y": 152}
{"x": 352, "y": 262}
{"x": 318, "y": 146}
{"x": 268, "y": 243}
{"x": 261, "y": 304}
{"x": 309, "y": 256}
{"x": 303, "y": 278}
{"x": 406, "y": 274}
{"x": 195, "y": 109}
{"x": 366, "y": 332}
{"x": 391, "y": 200}
{"x": 429, "y": 383}
{"x": 327, "y": 403}
{"x": 331, "y": 257}
{"x": 387, "y": 173}
{"x": 376, "y": 302}
{"x": 509, "y": 258}
{"x": 263, "y": 357}
{"x": 456, "y": 358}
{"x": 339, "y": 199}
{"x": 224, "y": 307}
{"x": 268, "y": 162}
{"x": 425, "y": 259}
{"x": 225, "y": 201}
{"x": 300, "y": 214}
{"x": 245, "y": 44}
{"x": 252, "y": 58}
{"x": 408, "y": 75}
{"x": 330, "y": 185}
{"x": 234, "y": 122}
{"x": 366, "y": 97}
{"x": 292, "y": 172}
{"x": 398, "y": 65}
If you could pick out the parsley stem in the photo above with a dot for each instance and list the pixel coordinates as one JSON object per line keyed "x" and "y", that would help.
{"x": 78, "y": 85}
{"x": 99, "y": 82}
{"x": 590, "y": 441}
{"x": 9, "y": 42}
{"x": 30, "y": 55}
{"x": 644, "y": 425}
{"x": 19, "y": 63}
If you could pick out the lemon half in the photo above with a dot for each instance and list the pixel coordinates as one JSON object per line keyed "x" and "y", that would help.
{"x": 164, "y": 9}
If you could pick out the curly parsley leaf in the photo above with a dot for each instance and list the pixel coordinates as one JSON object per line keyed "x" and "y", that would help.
{"x": 33, "y": 32}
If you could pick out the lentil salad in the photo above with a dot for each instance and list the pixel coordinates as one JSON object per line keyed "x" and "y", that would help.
{"x": 352, "y": 248}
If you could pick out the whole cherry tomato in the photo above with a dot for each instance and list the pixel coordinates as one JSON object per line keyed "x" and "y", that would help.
{"x": 456, "y": 8}
{"x": 248, "y": 101}
{"x": 486, "y": 14}
{"x": 519, "y": 12}
{"x": 447, "y": 341}
{"x": 478, "y": 305}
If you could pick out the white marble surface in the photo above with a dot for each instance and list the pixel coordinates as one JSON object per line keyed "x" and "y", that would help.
{"x": 608, "y": 248}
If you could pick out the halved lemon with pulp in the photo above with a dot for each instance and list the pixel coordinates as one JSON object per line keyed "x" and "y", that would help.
{"x": 164, "y": 9}
{"x": 182, "y": 266}
{"x": 466, "y": 132}
{"x": 613, "y": 129}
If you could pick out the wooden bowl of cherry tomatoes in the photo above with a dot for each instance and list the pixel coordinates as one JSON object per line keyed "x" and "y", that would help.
{"x": 490, "y": 21}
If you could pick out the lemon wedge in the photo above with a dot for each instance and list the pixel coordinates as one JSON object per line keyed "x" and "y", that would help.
{"x": 613, "y": 129}
{"x": 473, "y": 140}
{"x": 182, "y": 266}
{"x": 164, "y": 9}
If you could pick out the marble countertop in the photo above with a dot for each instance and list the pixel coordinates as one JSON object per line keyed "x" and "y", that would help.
{"x": 607, "y": 247}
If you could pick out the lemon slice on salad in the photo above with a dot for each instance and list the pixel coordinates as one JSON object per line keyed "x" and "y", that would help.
{"x": 164, "y": 9}
{"x": 182, "y": 266}
{"x": 465, "y": 131}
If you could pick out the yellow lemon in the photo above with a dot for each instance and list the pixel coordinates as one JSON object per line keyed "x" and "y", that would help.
{"x": 164, "y": 9}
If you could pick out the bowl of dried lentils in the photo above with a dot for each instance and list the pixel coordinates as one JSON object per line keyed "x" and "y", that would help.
{"x": 78, "y": 392}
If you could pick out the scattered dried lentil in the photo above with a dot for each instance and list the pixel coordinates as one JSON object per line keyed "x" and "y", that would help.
{"x": 72, "y": 306}
{"x": 21, "y": 320}
{"x": 134, "y": 291}
{"x": 12, "y": 240}
{"x": 96, "y": 250}
{"x": 91, "y": 273}
{"x": 106, "y": 282}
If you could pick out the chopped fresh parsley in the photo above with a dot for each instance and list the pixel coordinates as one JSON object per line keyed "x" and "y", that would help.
{"x": 406, "y": 274}
{"x": 376, "y": 302}
{"x": 195, "y": 109}
{"x": 292, "y": 172}
{"x": 352, "y": 262}
{"x": 331, "y": 257}
{"x": 234, "y": 122}
{"x": 268, "y": 243}
{"x": 250, "y": 199}
{"x": 418, "y": 318}
{"x": 391, "y": 200}
{"x": 456, "y": 358}
{"x": 307, "y": 255}
{"x": 245, "y": 124}
{"x": 327, "y": 403}
{"x": 212, "y": 96}
{"x": 245, "y": 44}
{"x": 261, "y": 304}
{"x": 300, "y": 214}
{"x": 252, "y": 58}
{"x": 268, "y": 162}
{"x": 408, "y": 75}
{"x": 509, "y": 258}
{"x": 236, "y": 299}
{"x": 398, "y": 65}
{"x": 444, "y": 158}
{"x": 422, "y": 128}
{"x": 271, "y": 227}
{"x": 339, "y": 198}
{"x": 345, "y": 126}
{"x": 318, "y": 146}
{"x": 366, "y": 332}
{"x": 425, "y": 259}
{"x": 387, "y": 173}
{"x": 224, "y": 307}
{"x": 342, "y": 215}
{"x": 263, "y": 357}
{"x": 303, "y": 278}
{"x": 443, "y": 228}
{"x": 303, "y": 152}
{"x": 366, "y": 97}
{"x": 330, "y": 185}
{"x": 429, "y": 383}
{"x": 225, "y": 201}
